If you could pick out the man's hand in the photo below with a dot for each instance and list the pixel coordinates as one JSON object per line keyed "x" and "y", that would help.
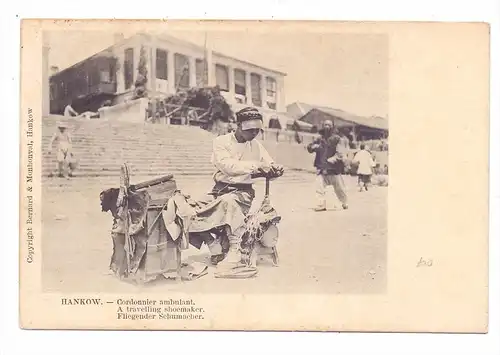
{"x": 271, "y": 170}
{"x": 274, "y": 170}
{"x": 277, "y": 169}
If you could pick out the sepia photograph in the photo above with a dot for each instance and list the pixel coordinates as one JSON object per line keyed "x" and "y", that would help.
{"x": 235, "y": 175}
{"x": 203, "y": 156}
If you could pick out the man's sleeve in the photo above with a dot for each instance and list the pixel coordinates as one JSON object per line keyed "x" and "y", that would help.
{"x": 230, "y": 166}
{"x": 310, "y": 149}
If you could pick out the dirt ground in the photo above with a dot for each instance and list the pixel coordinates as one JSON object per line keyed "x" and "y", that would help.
{"x": 337, "y": 251}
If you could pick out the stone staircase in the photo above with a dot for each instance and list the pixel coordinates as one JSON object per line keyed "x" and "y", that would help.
{"x": 101, "y": 147}
{"x": 151, "y": 150}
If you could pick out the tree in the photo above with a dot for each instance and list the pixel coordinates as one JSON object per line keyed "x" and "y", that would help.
{"x": 142, "y": 75}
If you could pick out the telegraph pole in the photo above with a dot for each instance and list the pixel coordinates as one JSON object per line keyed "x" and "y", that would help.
{"x": 205, "y": 63}
{"x": 152, "y": 75}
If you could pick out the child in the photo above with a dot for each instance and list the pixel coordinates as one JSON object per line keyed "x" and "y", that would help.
{"x": 365, "y": 163}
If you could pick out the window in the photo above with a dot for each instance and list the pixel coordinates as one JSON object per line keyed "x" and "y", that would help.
{"x": 128, "y": 70}
{"x": 240, "y": 84}
{"x": 181, "y": 63}
{"x": 200, "y": 72}
{"x": 161, "y": 64}
{"x": 94, "y": 78}
{"x": 256, "y": 92}
{"x": 112, "y": 71}
{"x": 63, "y": 89}
{"x": 105, "y": 76}
{"x": 69, "y": 88}
{"x": 271, "y": 93}
{"x": 53, "y": 91}
{"x": 222, "y": 77}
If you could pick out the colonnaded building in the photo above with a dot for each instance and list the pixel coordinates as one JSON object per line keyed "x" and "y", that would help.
{"x": 172, "y": 64}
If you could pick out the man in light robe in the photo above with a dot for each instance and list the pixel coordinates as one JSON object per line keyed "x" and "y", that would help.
{"x": 365, "y": 163}
{"x": 64, "y": 153}
{"x": 236, "y": 156}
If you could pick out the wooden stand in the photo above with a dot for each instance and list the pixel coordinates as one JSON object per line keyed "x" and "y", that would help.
{"x": 163, "y": 255}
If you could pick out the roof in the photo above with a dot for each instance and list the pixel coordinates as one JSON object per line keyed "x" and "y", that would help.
{"x": 302, "y": 124}
{"x": 376, "y": 122}
{"x": 106, "y": 51}
{"x": 283, "y": 118}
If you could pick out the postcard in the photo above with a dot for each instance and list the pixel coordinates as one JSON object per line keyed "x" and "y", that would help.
{"x": 234, "y": 175}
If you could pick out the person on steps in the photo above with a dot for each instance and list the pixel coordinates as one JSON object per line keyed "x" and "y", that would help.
{"x": 64, "y": 149}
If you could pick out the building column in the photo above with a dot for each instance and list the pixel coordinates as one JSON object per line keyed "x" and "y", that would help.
{"x": 120, "y": 80}
{"x": 45, "y": 76}
{"x": 280, "y": 94}
{"x": 137, "y": 58}
{"x": 119, "y": 55}
{"x": 232, "y": 92}
{"x": 192, "y": 72}
{"x": 248, "y": 89}
{"x": 210, "y": 69}
{"x": 263, "y": 91}
{"x": 152, "y": 70}
{"x": 170, "y": 72}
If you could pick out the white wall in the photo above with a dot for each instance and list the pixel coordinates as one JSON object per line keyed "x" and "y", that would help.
{"x": 129, "y": 111}
{"x": 196, "y": 53}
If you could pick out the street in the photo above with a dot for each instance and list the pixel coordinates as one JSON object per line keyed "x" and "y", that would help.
{"x": 333, "y": 252}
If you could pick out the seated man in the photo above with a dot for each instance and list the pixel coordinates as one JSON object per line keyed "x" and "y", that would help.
{"x": 236, "y": 156}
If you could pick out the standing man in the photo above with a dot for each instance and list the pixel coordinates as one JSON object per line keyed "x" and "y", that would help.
{"x": 64, "y": 152}
{"x": 329, "y": 163}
